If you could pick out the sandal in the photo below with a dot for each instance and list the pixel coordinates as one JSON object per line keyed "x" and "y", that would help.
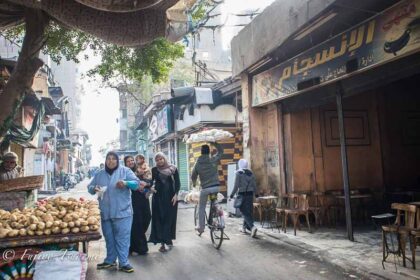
{"x": 162, "y": 249}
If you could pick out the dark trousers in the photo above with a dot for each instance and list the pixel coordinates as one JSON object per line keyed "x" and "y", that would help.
{"x": 246, "y": 210}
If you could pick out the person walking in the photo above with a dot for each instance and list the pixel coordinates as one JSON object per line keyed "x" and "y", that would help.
{"x": 206, "y": 169}
{"x": 116, "y": 210}
{"x": 245, "y": 186}
{"x": 165, "y": 179}
{"x": 141, "y": 213}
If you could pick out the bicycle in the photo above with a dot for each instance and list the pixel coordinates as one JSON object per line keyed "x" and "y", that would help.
{"x": 214, "y": 221}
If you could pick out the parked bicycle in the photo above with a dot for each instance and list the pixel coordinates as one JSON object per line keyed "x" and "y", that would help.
{"x": 215, "y": 221}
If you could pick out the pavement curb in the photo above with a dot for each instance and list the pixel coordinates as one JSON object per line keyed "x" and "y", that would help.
{"x": 327, "y": 257}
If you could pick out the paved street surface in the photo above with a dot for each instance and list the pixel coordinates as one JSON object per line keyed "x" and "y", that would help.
{"x": 193, "y": 257}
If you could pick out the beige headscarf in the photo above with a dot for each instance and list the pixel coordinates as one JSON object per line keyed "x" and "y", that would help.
{"x": 167, "y": 169}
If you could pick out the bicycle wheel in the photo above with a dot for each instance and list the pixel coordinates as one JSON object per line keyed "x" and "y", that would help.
{"x": 196, "y": 215}
{"x": 216, "y": 230}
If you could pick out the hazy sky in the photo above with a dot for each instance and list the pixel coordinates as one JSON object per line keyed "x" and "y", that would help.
{"x": 100, "y": 110}
{"x": 100, "y": 106}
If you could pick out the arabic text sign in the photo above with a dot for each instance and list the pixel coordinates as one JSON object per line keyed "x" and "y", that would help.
{"x": 394, "y": 33}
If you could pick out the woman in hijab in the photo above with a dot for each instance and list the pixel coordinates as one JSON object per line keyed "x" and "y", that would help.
{"x": 245, "y": 186}
{"x": 114, "y": 183}
{"x": 165, "y": 178}
{"x": 141, "y": 214}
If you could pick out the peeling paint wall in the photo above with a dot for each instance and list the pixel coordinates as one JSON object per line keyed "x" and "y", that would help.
{"x": 261, "y": 142}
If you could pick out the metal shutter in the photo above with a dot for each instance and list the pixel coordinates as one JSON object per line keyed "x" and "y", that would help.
{"x": 183, "y": 165}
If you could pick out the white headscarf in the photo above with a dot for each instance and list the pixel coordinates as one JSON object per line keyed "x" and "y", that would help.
{"x": 242, "y": 164}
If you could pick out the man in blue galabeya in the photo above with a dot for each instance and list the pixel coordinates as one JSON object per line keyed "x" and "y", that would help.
{"x": 114, "y": 184}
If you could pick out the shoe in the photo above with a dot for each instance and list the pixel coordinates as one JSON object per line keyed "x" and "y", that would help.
{"x": 127, "y": 268}
{"x": 162, "y": 248}
{"x": 254, "y": 231}
{"x": 105, "y": 265}
{"x": 243, "y": 229}
{"x": 199, "y": 231}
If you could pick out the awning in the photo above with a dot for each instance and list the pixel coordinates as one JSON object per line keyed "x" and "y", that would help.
{"x": 50, "y": 108}
{"x": 32, "y": 100}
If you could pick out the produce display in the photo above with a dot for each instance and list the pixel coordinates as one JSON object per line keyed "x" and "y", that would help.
{"x": 52, "y": 216}
{"x": 211, "y": 135}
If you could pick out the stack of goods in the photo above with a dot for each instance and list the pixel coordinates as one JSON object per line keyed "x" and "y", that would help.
{"x": 52, "y": 216}
{"x": 193, "y": 196}
{"x": 211, "y": 135}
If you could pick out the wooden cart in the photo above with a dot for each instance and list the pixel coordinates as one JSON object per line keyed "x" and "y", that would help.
{"x": 27, "y": 246}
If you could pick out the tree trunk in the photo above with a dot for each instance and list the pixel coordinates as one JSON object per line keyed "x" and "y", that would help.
{"x": 26, "y": 67}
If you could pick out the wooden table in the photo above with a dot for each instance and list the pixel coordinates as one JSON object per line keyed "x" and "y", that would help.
{"x": 355, "y": 196}
{"x": 361, "y": 197}
{"x": 33, "y": 243}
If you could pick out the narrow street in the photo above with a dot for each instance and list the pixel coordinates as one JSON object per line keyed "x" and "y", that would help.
{"x": 194, "y": 257}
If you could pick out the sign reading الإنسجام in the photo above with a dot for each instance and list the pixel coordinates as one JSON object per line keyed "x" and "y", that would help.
{"x": 380, "y": 39}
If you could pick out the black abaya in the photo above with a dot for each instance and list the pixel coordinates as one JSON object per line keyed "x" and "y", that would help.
{"x": 141, "y": 221}
{"x": 164, "y": 212}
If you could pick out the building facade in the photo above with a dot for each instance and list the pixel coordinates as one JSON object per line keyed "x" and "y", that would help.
{"x": 332, "y": 110}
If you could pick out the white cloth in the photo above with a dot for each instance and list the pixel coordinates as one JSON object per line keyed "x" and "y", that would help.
{"x": 63, "y": 265}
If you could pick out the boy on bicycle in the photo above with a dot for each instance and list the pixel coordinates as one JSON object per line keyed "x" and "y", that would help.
{"x": 206, "y": 168}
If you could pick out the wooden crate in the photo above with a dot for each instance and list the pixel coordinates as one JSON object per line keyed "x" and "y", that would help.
{"x": 22, "y": 184}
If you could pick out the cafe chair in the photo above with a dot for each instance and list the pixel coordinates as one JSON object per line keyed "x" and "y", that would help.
{"x": 282, "y": 205}
{"x": 299, "y": 206}
{"x": 335, "y": 209}
{"x": 414, "y": 237}
{"x": 317, "y": 208}
{"x": 401, "y": 229}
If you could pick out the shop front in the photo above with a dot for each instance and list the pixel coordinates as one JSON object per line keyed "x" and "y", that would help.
{"x": 343, "y": 115}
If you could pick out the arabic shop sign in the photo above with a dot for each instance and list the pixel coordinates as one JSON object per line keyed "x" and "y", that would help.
{"x": 394, "y": 33}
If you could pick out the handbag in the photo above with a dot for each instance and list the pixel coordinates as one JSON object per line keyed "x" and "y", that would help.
{"x": 239, "y": 199}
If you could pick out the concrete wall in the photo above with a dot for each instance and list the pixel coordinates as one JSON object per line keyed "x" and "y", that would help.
{"x": 269, "y": 30}
{"x": 261, "y": 142}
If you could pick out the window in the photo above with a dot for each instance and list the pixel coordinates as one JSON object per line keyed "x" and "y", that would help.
{"x": 123, "y": 113}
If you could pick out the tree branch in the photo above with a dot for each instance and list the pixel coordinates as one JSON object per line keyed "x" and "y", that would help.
{"x": 26, "y": 67}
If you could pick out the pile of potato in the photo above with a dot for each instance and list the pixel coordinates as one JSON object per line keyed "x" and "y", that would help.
{"x": 52, "y": 216}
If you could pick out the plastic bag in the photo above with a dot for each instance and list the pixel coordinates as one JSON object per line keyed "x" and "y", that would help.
{"x": 193, "y": 196}
{"x": 63, "y": 265}
{"x": 220, "y": 197}
{"x": 211, "y": 135}
{"x": 101, "y": 192}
